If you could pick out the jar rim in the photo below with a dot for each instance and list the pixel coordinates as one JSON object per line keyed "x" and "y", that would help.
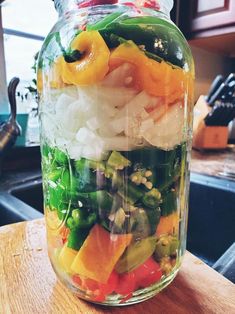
{"x": 66, "y": 5}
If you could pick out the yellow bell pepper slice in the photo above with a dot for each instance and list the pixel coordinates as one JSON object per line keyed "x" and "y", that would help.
{"x": 51, "y": 76}
{"x": 93, "y": 65}
{"x": 157, "y": 78}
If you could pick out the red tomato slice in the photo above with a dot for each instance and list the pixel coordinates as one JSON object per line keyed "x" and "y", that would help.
{"x": 126, "y": 283}
{"x": 64, "y": 234}
{"x": 152, "y": 4}
{"x": 77, "y": 280}
{"x": 111, "y": 284}
{"x": 89, "y": 3}
{"x": 151, "y": 279}
{"x": 99, "y": 290}
{"x": 98, "y": 296}
{"x": 91, "y": 284}
{"x": 147, "y": 273}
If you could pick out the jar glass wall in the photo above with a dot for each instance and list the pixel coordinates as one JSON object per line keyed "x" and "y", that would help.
{"x": 116, "y": 92}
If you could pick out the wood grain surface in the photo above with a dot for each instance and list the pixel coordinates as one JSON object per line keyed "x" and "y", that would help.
{"x": 213, "y": 162}
{"x": 28, "y": 284}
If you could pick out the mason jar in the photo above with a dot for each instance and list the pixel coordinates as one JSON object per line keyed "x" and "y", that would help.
{"x": 115, "y": 81}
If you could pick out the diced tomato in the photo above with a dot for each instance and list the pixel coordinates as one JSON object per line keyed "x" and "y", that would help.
{"x": 126, "y": 283}
{"x": 147, "y": 273}
{"x": 98, "y": 290}
{"x": 91, "y": 284}
{"x": 89, "y": 3}
{"x": 111, "y": 284}
{"x": 152, "y": 4}
{"x": 151, "y": 279}
{"x": 143, "y": 276}
{"x": 64, "y": 234}
{"x": 77, "y": 280}
{"x": 98, "y": 296}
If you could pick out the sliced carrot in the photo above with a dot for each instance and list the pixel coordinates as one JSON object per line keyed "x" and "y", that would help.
{"x": 168, "y": 224}
{"x": 99, "y": 253}
{"x": 66, "y": 258}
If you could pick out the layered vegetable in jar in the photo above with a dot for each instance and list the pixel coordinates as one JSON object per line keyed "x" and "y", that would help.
{"x": 115, "y": 85}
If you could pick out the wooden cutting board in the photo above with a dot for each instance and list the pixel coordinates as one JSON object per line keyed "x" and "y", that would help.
{"x": 28, "y": 284}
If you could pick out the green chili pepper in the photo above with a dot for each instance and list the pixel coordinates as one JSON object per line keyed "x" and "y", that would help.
{"x": 152, "y": 198}
{"x": 169, "y": 202}
{"x": 60, "y": 157}
{"x": 153, "y": 35}
{"x": 55, "y": 174}
{"x": 76, "y": 238}
{"x": 154, "y": 216}
{"x": 87, "y": 179}
{"x": 118, "y": 161}
{"x": 81, "y": 219}
{"x": 129, "y": 191}
{"x": 166, "y": 246}
{"x": 99, "y": 200}
{"x": 72, "y": 56}
{"x": 136, "y": 254}
{"x": 139, "y": 223}
{"x": 61, "y": 189}
{"x": 150, "y": 157}
{"x": 45, "y": 150}
{"x": 104, "y": 22}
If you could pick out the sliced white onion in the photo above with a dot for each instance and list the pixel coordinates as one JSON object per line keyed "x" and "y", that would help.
{"x": 94, "y": 152}
{"x": 121, "y": 76}
{"x": 93, "y": 123}
{"x": 106, "y": 130}
{"x": 146, "y": 125}
{"x": 169, "y": 130}
{"x": 136, "y": 107}
{"x": 118, "y": 125}
{"x": 99, "y": 95}
{"x": 63, "y": 103}
{"x": 85, "y": 136}
{"x": 119, "y": 143}
{"x": 75, "y": 150}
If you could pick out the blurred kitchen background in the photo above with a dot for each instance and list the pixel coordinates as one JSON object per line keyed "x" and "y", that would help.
{"x": 209, "y": 27}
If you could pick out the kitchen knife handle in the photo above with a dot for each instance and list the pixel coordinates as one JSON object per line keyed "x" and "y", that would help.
{"x": 230, "y": 78}
{"x": 213, "y": 116}
{"x": 222, "y": 90}
{"x": 214, "y": 86}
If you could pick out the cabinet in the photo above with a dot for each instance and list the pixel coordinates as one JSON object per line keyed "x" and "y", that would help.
{"x": 212, "y": 14}
{"x": 208, "y": 24}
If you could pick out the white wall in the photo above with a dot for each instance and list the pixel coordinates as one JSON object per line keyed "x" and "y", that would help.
{"x": 207, "y": 66}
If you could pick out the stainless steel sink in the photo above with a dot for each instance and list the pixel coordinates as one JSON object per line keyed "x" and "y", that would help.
{"x": 211, "y": 219}
{"x": 14, "y": 207}
{"x": 30, "y": 193}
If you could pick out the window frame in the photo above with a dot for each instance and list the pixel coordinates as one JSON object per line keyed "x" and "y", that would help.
{"x": 3, "y": 78}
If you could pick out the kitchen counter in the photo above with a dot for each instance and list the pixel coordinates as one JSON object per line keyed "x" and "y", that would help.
{"x": 29, "y": 285}
{"x": 214, "y": 163}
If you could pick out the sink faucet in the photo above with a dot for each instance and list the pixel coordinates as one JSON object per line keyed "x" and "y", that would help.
{"x": 10, "y": 129}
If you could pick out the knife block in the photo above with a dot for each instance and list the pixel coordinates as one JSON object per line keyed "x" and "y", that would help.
{"x": 207, "y": 137}
{"x": 210, "y": 137}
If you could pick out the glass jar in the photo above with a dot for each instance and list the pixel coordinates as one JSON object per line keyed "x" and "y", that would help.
{"x": 116, "y": 95}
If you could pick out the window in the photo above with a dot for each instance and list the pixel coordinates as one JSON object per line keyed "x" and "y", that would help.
{"x": 24, "y": 25}
{"x": 29, "y": 16}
